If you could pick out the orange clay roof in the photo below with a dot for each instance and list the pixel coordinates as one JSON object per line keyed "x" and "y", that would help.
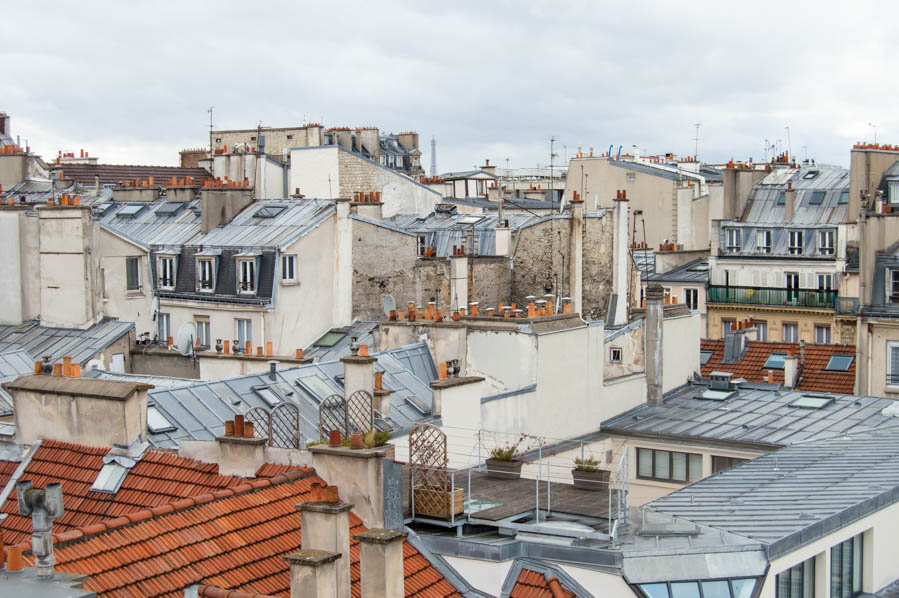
{"x": 158, "y": 478}
{"x": 531, "y": 584}
{"x": 231, "y": 538}
{"x": 813, "y": 375}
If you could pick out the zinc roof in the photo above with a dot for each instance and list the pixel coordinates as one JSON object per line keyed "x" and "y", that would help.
{"x": 795, "y": 495}
{"x": 696, "y": 271}
{"x": 13, "y": 363}
{"x": 80, "y": 345}
{"x": 833, "y": 180}
{"x": 148, "y": 228}
{"x": 442, "y": 230}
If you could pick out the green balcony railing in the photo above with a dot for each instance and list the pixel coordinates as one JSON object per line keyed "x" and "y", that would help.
{"x": 772, "y": 296}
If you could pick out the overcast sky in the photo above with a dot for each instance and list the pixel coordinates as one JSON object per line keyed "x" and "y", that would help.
{"x": 131, "y": 81}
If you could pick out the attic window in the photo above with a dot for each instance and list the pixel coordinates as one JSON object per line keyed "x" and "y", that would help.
{"x": 839, "y": 363}
{"x": 775, "y": 361}
{"x": 110, "y": 478}
{"x": 267, "y": 395}
{"x": 704, "y": 357}
{"x": 781, "y": 199}
{"x": 715, "y": 395}
{"x": 844, "y": 198}
{"x": 316, "y": 386}
{"x": 810, "y": 174}
{"x": 130, "y": 210}
{"x": 169, "y": 208}
{"x": 470, "y": 219}
{"x": 812, "y": 402}
{"x": 157, "y": 422}
{"x": 101, "y": 209}
{"x": 269, "y": 211}
{"x": 817, "y": 198}
{"x": 329, "y": 339}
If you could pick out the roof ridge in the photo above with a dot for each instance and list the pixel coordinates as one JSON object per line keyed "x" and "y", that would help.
{"x": 181, "y": 504}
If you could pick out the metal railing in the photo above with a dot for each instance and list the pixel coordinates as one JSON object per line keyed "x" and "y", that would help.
{"x": 772, "y": 296}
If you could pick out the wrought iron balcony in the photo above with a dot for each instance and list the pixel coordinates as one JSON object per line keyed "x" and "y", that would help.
{"x": 772, "y": 296}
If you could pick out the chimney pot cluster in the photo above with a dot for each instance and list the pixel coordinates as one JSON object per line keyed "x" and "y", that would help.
{"x": 226, "y": 183}
{"x": 361, "y": 197}
{"x": 741, "y": 325}
{"x": 239, "y": 428}
{"x": 65, "y": 369}
{"x": 14, "y": 149}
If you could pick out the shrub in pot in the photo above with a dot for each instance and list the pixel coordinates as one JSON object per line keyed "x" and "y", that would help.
{"x": 504, "y": 463}
{"x": 588, "y": 475}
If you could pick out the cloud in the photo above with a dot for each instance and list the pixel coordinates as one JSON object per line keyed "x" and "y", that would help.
{"x": 131, "y": 82}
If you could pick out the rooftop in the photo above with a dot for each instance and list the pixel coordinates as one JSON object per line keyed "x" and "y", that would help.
{"x": 818, "y": 370}
{"x": 791, "y": 497}
{"x": 81, "y": 345}
{"x": 696, "y": 271}
{"x": 765, "y": 206}
{"x": 753, "y": 415}
{"x": 13, "y": 363}
{"x": 109, "y": 174}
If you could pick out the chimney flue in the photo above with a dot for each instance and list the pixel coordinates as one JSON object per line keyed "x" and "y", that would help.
{"x": 655, "y": 295}
{"x": 43, "y": 505}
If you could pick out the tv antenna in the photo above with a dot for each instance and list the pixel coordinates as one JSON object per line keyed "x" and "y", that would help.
{"x": 874, "y": 126}
{"x": 789, "y": 143}
{"x": 696, "y": 140}
{"x": 211, "y": 108}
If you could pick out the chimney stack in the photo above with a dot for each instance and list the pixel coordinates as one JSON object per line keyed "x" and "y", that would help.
{"x": 655, "y": 295}
{"x": 358, "y": 371}
{"x": 326, "y": 526}
{"x": 381, "y": 555}
{"x": 791, "y": 371}
{"x": 618, "y": 311}
{"x": 43, "y": 505}
{"x": 240, "y": 453}
{"x": 313, "y": 573}
{"x": 789, "y": 202}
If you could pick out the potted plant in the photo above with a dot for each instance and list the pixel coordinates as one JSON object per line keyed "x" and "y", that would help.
{"x": 505, "y": 462}
{"x": 378, "y": 438}
{"x": 588, "y": 475}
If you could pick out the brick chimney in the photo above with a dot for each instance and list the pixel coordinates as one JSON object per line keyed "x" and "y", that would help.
{"x": 313, "y": 573}
{"x": 381, "y": 556}
{"x": 326, "y": 527}
{"x": 655, "y": 296}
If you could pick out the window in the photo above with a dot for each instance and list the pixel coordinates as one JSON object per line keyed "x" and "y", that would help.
{"x": 791, "y": 333}
{"x": 203, "y": 331}
{"x": 825, "y": 282}
{"x": 165, "y": 327}
{"x": 893, "y": 193}
{"x": 244, "y": 332}
{"x": 383, "y": 160}
{"x": 268, "y": 395}
{"x": 763, "y": 241}
{"x": 893, "y": 363}
{"x": 822, "y": 334}
{"x": 206, "y": 275}
{"x": 252, "y": 139}
{"x": 167, "y": 273}
{"x": 422, "y": 245}
{"x": 632, "y": 176}
{"x": 846, "y": 568}
{"x": 269, "y": 211}
{"x": 288, "y": 268}
{"x": 812, "y": 402}
{"x": 704, "y": 357}
{"x": 246, "y": 276}
{"x": 722, "y": 463}
{"x": 132, "y": 274}
{"x": 157, "y": 422}
{"x": 817, "y": 198}
{"x": 795, "y": 243}
{"x": 844, "y": 198}
{"x": 668, "y": 466}
{"x": 894, "y": 286}
{"x": 797, "y": 582}
{"x": 782, "y": 199}
{"x": 717, "y": 588}
{"x": 810, "y": 174}
{"x": 839, "y": 363}
{"x": 791, "y": 281}
{"x": 727, "y": 326}
{"x": 733, "y": 239}
{"x": 329, "y": 339}
{"x": 290, "y": 136}
{"x": 762, "y": 328}
{"x": 615, "y": 355}
{"x": 691, "y": 298}
{"x": 218, "y": 139}
{"x": 775, "y": 361}
{"x": 825, "y": 242}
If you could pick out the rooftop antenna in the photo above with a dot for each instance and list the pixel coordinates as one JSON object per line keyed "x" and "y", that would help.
{"x": 696, "y": 140}
{"x": 874, "y": 126}
{"x": 211, "y": 108}
{"x": 767, "y": 145}
{"x": 789, "y": 143}
{"x": 184, "y": 343}
{"x": 433, "y": 157}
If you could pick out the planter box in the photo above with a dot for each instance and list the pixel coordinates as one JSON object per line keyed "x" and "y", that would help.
{"x": 442, "y": 504}
{"x": 504, "y": 470}
{"x": 591, "y": 480}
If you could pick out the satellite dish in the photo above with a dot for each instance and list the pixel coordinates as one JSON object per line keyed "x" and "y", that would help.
{"x": 389, "y": 304}
{"x": 184, "y": 342}
{"x": 154, "y": 307}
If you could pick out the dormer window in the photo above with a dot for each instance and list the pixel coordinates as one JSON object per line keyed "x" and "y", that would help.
{"x": 763, "y": 241}
{"x": 166, "y": 267}
{"x": 206, "y": 275}
{"x": 893, "y": 192}
{"x": 733, "y": 240}
{"x": 795, "y": 242}
{"x": 246, "y": 277}
{"x": 825, "y": 242}
{"x": 894, "y": 286}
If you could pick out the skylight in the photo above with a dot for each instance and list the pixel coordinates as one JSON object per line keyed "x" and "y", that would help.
{"x": 844, "y": 197}
{"x": 130, "y": 210}
{"x": 110, "y": 478}
{"x": 810, "y": 174}
{"x": 267, "y": 395}
{"x": 157, "y": 422}
{"x": 169, "y": 208}
{"x": 715, "y": 395}
{"x": 781, "y": 199}
{"x": 470, "y": 219}
{"x": 269, "y": 211}
{"x": 704, "y": 357}
{"x": 101, "y": 209}
{"x": 812, "y": 402}
{"x": 318, "y": 387}
{"x": 839, "y": 363}
{"x": 817, "y": 198}
{"x": 775, "y": 361}
{"x": 329, "y": 339}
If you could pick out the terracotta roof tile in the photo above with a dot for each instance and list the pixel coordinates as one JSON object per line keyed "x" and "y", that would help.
{"x": 813, "y": 375}
{"x": 157, "y": 479}
{"x": 531, "y": 584}
{"x": 231, "y": 542}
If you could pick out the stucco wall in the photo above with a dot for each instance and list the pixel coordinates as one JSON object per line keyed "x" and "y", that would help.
{"x": 598, "y": 267}
{"x": 315, "y": 172}
{"x": 10, "y": 268}
{"x": 399, "y": 193}
{"x": 632, "y": 357}
{"x": 118, "y": 302}
{"x": 680, "y": 346}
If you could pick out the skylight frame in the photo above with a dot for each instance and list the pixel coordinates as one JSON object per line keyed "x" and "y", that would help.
{"x": 817, "y": 198}
{"x": 169, "y": 208}
{"x": 325, "y": 344}
{"x": 773, "y": 366}
{"x": 830, "y": 363}
{"x": 157, "y": 422}
{"x": 808, "y": 401}
{"x": 110, "y": 477}
{"x": 270, "y": 211}
{"x": 267, "y": 394}
{"x": 705, "y": 356}
{"x": 130, "y": 210}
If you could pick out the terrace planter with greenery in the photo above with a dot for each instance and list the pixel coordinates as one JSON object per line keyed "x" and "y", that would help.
{"x": 588, "y": 475}
{"x": 504, "y": 463}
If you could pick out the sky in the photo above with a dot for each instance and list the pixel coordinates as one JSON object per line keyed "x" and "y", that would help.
{"x": 131, "y": 82}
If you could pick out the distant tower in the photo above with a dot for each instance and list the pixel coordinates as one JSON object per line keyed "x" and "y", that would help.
{"x": 433, "y": 156}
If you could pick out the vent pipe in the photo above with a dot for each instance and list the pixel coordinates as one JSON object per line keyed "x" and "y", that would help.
{"x": 43, "y": 505}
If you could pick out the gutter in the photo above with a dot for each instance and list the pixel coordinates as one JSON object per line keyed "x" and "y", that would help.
{"x": 26, "y": 460}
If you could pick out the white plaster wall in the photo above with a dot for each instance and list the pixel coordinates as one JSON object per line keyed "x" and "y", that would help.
{"x": 770, "y": 273}
{"x": 118, "y": 302}
{"x": 10, "y": 268}
{"x": 680, "y": 346}
{"x": 486, "y": 576}
{"x": 622, "y": 394}
{"x": 401, "y": 195}
{"x": 508, "y": 415}
{"x": 342, "y": 275}
{"x": 508, "y": 358}
{"x": 310, "y": 169}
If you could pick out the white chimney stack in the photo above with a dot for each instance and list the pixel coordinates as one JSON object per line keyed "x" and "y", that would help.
{"x": 381, "y": 554}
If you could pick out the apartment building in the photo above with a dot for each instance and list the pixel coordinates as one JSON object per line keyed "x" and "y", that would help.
{"x": 783, "y": 263}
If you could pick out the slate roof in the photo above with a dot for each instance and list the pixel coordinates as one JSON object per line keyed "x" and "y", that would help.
{"x": 232, "y": 538}
{"x": 443, "y": 230}
{"x": 198, "y": 411}
{"x": 751, "y": 415}
{"x": 80, "y": 345}
{"x": 156, "y": 479}
{"x": 813, "y": 373}
{"x": 86, "y": 174}
{"x": 795, "y": 495}
{"x": 531, "y": 584}
{"x": 360, "y": 329}
{"x": 13, "y": 363}
{"x": 696, "y": 271}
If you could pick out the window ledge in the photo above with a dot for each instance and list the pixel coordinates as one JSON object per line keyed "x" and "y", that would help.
{"x": 133, "y": 294}
{"x": 290, "y": 283}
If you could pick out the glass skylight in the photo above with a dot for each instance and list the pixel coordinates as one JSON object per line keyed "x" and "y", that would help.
{"x": 110, "y": 478}
{"x": 470, "y": 219}
{"x": 130, "y": 210}
{"x": 269, "y": 211}
{"x": 329, "y": 339}
{"x": 169, "y": 208}
{"x": 267, "y": 395}
{"x": 719, "y": 588}
{"x": 775, "y": 361}
{"x": 704, "y": 357}
{"x": 318, "y": 387}
{"x": 715, "y": 395}
{"x": 817, "y": 198}
{"x": 839, "y": 363}
{"x": 844, "y": 198}
{"x": 157, "y": 422}
{"x": 812, "y": 402}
